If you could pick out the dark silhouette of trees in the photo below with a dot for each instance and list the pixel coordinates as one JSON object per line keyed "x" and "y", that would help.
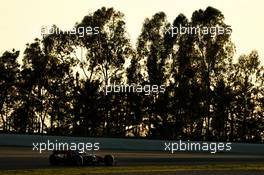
{"x": 246, "y": 82}
{"x": 103, "y": 62}
{"x": 59, "y": 86}
{"x": 9, "y": 72}
{"x": 152, "y": 51}
{"x": 214, "y": 54}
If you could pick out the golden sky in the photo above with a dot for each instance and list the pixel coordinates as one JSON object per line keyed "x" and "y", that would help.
{"x": 21, "y": 20}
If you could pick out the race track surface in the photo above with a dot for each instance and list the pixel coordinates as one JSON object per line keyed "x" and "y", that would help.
{"x": 24, "y": 158}
{"x": 16, "y": 158}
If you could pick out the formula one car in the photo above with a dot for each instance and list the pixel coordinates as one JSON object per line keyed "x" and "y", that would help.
{"x": 70, "y": 157}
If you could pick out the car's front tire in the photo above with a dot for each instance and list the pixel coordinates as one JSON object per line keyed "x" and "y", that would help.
{"x": 109, "y": 160}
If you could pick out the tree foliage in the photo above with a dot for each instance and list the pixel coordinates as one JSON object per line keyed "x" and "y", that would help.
{"x": 59, "y": 86}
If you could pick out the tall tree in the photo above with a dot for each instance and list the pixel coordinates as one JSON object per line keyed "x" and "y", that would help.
{"x": 153, "y": 51}
{"x": 9, "y": 72}
{"x": 214, "y": 52}
{"x": 246, "y": 78}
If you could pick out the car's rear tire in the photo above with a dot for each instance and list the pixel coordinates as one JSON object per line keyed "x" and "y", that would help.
{"x": 53, "y": 161}
{"x": 109, "y": 160}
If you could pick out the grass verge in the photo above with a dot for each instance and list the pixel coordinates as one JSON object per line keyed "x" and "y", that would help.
{"x": 132, "y": 169}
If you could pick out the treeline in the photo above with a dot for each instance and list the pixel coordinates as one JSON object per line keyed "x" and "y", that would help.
{"x": 210, "y": 95}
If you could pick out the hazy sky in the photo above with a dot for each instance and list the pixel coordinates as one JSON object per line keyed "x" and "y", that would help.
{"x": 21, "y": 20}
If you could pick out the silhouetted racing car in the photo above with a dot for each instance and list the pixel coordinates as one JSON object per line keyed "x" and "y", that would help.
{"x": 70, "y": 157}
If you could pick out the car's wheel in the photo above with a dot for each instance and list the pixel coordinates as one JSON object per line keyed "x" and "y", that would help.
{"x": 53, "y": 160}
{"x": 79, "y": 161}
{"x": 109, "y": 160}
